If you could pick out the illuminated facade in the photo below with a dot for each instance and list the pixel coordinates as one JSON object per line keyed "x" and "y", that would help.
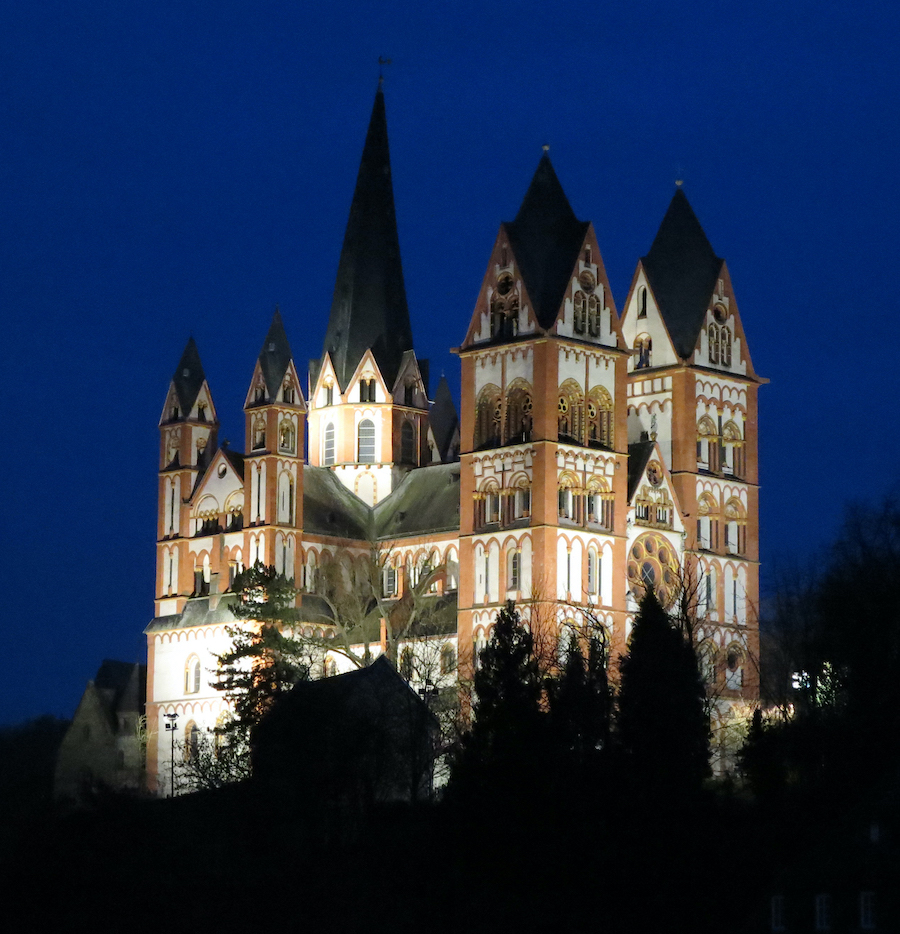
{"x": 596, "y": 453}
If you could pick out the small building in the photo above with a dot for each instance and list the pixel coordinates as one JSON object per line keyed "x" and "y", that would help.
{"x": 104, "y": 747}
{"x": 348, "y": 742}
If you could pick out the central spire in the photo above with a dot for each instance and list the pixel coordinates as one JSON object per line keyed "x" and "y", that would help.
{"x": 369, "y": 308}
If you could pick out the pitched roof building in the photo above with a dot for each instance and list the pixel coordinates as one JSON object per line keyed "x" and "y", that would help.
{"x": 595, "y": 454}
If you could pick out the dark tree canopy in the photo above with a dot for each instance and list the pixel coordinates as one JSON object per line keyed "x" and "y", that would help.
{"x": 662, "y": 720}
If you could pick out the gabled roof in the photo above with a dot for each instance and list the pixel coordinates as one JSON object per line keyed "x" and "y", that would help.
{"x": 369, "y": 308}
{"x": 275, "y": 355}
{"x": 545, "y": 238}
{"x": 329, "y": 508}
{"x": 426, "y": 501}
{"x": 122, "y": 685}
{"x": 443, "y": 419}
{"x": 639, "y": 455}
{"x": 188, "y": 378}
{"x": 236, "y": 459}
{"x": 682, "y": 269}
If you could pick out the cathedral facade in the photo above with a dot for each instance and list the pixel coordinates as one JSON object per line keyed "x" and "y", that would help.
{"x": 597, "y": 452}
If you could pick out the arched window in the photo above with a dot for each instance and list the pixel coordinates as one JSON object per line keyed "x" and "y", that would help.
{"x": 593, "y": 572}
{"x": 642, "y": 302}
{"x": 191, "y": 740}
{"x": 725, "y": 345}
{"x": 734, "y": 667}
{"x": 568, "y": 499}
{"x": 569, "y": 413}
{"x": 593, "y": 314}
{"x": 192, "y": 675}
{"x": 712, "y": 333}
{"x": 707, "y": 657}
{"x": 285, "y": 498}
{"x": 498, "y": 315}
{"x": 644, "y": 348}
{"x": 519, "y": 409}
{"x": 514, "y": 569}
{"x": 732, "y": 450}
{"x": 287, "y": 392}
{"x": 580, "y": 304}
{"x": 448, "y": 659}
{"x": 735, "y": 529}
{"x": 707, "y": 523}
{"x": 599, "y": 504}
{"x": 406, "y": 664}
{"x": 601, "y": 427}
{"x": 328, "y": 452}
{"x": 286, "y": 437}
{"x": 487, "y": 417}
{"x": 407, "y": 443}
{"x": 707, "y": 444}
{"x": 259, "y": 434}
{"x": 366, "y": 442}
{"x": 521, "y": 499}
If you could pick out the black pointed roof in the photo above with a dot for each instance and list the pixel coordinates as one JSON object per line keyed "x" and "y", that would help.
{"x": 188, "y": 377}
{"x": 443, "y": 419}
{"x": 682, "y": 269}
{"x": 275, "y": 355}
{"x": 369, "y": 308}
{"x": 545, "y": 238}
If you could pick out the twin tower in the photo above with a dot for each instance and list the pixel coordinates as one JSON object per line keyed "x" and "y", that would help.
{"x": 596, "y": 453}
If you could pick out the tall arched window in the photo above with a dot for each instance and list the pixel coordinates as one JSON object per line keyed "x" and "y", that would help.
{"x": 725, "y": 345}
{"x": 569, "y": 413}
{"x": 191, "y": 740}
{"x": 366, "y": 441}
{"x": 712, "y": 334}
{"x": 601, "y": 429}
{"x": 593, "y": 314}
{"x": 707, "y": 444}
{"x": 644, "y": 348}
{"x": 580, "y": 307}
{"x": 192, "y": 675}
{"x": 519, "y": 408}
{"x": 328, "y": 452}
{"x": 487, "y": 417}
{"x": 407, "y": 443}
{"x": 642, "y": 302}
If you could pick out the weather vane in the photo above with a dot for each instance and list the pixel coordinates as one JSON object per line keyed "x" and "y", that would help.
{"x": 381, "y": 63}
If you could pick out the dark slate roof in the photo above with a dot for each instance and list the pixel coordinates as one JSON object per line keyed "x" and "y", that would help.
{"x": 638, "y": 457}
{"x": 196, "y": 612}
{"x": 329, "y": 508}
{"x": 275, "y": 355}
{"x": 121, "y": 684}
{"x": 545, "y": 238}
{"x": 236, "y": 459}
{"x": 682, "y": 270}
{"x": 188, "y": 377}
{"x": 369, "y": 308}
{"x": 426, "y": 501}
{"x": 443, "y": 419}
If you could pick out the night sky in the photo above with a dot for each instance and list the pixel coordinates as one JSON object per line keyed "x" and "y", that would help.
{"x": 180, "y": 167}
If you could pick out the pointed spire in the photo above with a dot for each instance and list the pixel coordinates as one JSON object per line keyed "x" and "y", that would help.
{"x": 369, "y": 308}
{"x": 275, "y": 355}
{"x": 545, "y": 238}
{"x": 443, "y": 419}
{"x": 682, "y": 269}
{"x": 189, "y": 377}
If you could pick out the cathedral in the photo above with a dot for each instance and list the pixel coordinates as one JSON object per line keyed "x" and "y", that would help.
{"x": 597, "y": 452}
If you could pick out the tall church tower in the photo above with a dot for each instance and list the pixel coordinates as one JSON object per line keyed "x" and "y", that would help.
{"x": 368, "y": 393}
{"x": 188, "y": 430}
{"x": 693, "y": 390}
{"x": 543, "y": 439}
{"x": 275, "y": 418}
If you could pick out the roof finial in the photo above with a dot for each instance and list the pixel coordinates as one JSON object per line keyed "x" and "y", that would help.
{"x": 381, "y": 63}
{"x": 679, "y": 180}
{"x": 546, "y": 147}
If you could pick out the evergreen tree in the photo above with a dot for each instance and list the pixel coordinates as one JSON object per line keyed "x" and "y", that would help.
{"x": 580, "y": 710}
{"x": 498, "y": 754}
{"x": 662, "y": 722}
{"x": 265, "y": 659}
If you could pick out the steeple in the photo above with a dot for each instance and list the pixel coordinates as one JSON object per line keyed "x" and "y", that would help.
{"x": 188, "y": 378}
{"x": 682, "y": 269}
{"x": 369, "y": 308}
{"x": 275, "y": 356}
{"x": 545, "y": 238}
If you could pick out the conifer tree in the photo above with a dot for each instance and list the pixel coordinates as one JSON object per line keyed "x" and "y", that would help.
{"x": 265, "y": 659}
{"x": 580, "y": 710}
{"x": 496, "y": 756}
{"x": 662, "y": 723}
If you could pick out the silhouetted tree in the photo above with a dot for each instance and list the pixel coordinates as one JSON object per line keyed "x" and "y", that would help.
{"x": 496, "y": 759}
{"x": 662, "y": 723}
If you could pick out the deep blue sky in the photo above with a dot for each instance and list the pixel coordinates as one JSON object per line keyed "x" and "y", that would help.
{"x": 181, "y": 166}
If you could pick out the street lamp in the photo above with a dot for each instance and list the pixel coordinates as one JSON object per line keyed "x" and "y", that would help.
{"x": 171, "y": 726}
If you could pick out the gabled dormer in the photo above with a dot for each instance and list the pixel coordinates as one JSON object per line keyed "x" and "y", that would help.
{"x": 644, "y": 328}
{"x": 721, "y": 344}
{"x": 545, "y": 274}
{"x": 652, "y": 497}
{"x": 274, "y": 408}
{"x": 188, "y": 423}
{"x": 217, "y": 502}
